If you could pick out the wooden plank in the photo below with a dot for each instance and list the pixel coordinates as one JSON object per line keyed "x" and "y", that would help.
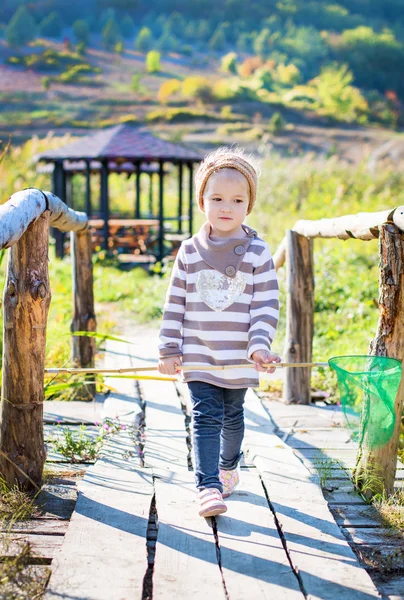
{"x": 103, "y": 556}
{"x": 254, "y": 562}
{"x": 42, "y": 546}
{"x": 317, "y": 548}
{"x": 349, "y": 515}
{"x": 186, "y": 561}
{"x": 74, "y": 411}
{"x": 369, "y": 536}
{"x": 57, "y": 501}
{"x": 36, "y": 526}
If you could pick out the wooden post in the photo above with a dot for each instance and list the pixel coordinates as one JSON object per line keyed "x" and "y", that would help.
{"x": 137, "y": 179}
{"x": 151, "y": 195}
{"x": 26, "y": 303}
{"x": 58, "y": 190}
{"x": 88, "y": 188}
{"x": 191, "y": 191}
{"x": 299, "y": 317}
{"x": 104, "y": 201}
{"x": 376, "y": 468}
{"x": 180, "y": 171}
{"x": 161, "y": 211}
{"x": 83, "y": 347}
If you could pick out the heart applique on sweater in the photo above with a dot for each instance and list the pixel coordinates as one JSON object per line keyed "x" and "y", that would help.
{"x": 217, "y": 290}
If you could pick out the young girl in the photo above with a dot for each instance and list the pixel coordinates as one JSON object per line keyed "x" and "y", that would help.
{"x": 221, "y": 309}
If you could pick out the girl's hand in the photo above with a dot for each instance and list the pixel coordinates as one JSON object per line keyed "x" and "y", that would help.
{"x": 261, "y": 357}
{"x": 168, "y": 365}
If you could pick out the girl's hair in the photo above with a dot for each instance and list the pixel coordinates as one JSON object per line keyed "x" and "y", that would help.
{"x": 227, "y": 157}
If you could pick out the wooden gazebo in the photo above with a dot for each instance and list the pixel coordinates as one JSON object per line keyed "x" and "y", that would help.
{"x": 123, "y": 149}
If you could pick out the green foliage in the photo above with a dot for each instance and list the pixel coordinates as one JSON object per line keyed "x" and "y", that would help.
{"x": 119, "y": 48}
{"x": 276, "y": 124}
{"x": 229, "y": 63}
{"x": 81, "y": 31}
{"x": 153, "y": 62}
{"x": 218, "y": 40}
{"x": 167, "y": 42}
{"x": 180, "y": 115}
{"x": 198, "y": 88}
{"x": 186, "y": 50}
{"x": 21, "y": 29}
{"x": 136, "y": 82}
{"x": 127, "y": 26}
{"x": 48, "y": 60}
{"x": 51, "y": 26}
{"x": 264, "y": 43}
{"x": 376, "y": 59}
{"x": 81, "y": 49}
{"x": 111, "y": 33}
{"x": 144, "y": 40}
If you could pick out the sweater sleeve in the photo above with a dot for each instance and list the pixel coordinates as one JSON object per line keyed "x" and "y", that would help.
{"x": 264, "y": 309}
{"x": 174, "y": 310}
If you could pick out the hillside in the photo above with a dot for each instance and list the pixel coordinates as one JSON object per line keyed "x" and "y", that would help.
{"x": 296, "y": 77}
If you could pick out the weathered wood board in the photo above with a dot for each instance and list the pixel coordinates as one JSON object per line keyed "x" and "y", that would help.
{"x": 317, "y": 548}
{"x": 254, "y": 562}
{"x": 42, "y": 546}
{"x": 74, "y": 411}
{"x": 186, "y": 556}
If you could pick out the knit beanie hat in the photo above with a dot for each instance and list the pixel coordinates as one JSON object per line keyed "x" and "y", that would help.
{"x": 225, "y": 159}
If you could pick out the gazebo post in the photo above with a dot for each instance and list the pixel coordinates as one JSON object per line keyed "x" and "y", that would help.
{"x": 137, "y": 211}
{"x": 58, "y": 190}
{"x": 69, "y": 190}
{"x": 191, "y": 192}
{"x": 180, "y": 173}
{"x": 161, "y": 210}
{"x": 88, "y": 188}
{"x": 151, "y": 194}
{"x": 104, "y": 201}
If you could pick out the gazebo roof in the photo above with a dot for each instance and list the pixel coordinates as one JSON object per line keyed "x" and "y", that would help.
{"x": 120, "y": 143}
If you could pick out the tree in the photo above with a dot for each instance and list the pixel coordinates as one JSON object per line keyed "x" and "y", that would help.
{"x": 51, "y": 26}
{"x": 111, "y": 34}
{"x": 119, "y": 47}
{"x": 21, "y": 29}
{"x": 81, "y": 31}
{"x": 218, "y": 40}
{"x": 153, "y": 61}
{"x": 168, "y": 89}
{"x": 229, "y": 63}
{"x": 127, "y": 26}
{"x": 264, "y": 43}
{"x": 203, "y": 30}
{"x": 176, "y": 24}
{"x": 197, "y": 87}
{"x": 167, "y": 42}
{"x": 144, "y": 40}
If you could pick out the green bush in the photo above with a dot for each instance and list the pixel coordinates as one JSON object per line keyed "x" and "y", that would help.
{"x": 229, "y": 63}
{"x": 111, "y": 34}
{"x": 276, "y": 124}
{"x": 153, "y": 62}
{"x": 144, "y": 40}
{"x": 218, "y": 40}
{"x": 21, "y": 29}
{"x": 51, "y": 26}
{"x": 198, "y": 88}
{"x": 81, "y": 31}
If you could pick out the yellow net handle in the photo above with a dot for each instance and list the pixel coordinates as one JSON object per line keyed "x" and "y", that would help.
{"x": 56, "y": 371}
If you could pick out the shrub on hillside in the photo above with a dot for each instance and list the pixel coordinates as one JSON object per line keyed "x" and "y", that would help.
{"x": 167, "y": 90}
{"x": 249, "y": 65}
{"x": 21, "y": 29}
{"x": 144, "y": 40}
{"x": 81, "y": 30}
{"x": 276, "y": 124}
{"x": 229, "y": 63}
{"x": 167, "y": 42}
{"x": 186, "y": 50}
{"x": 51, "y": 26}
{"x": 153, "y": 62}
{"x": 111, "y": 34}
{"x": 198, "y": 88}
{"x": 225, "y": 89}
{"x": 127, "y": 26}
{"x": 218, "y": 40}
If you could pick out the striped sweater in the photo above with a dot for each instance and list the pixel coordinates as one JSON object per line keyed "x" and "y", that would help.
{"x": 221, "y": 306}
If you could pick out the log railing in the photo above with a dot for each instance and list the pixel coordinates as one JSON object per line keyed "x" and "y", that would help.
{"x": 24, "y": 228}
{"x": 375, "y": 469}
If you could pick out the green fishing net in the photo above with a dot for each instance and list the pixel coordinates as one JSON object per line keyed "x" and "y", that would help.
{"x": 368, "y": 387}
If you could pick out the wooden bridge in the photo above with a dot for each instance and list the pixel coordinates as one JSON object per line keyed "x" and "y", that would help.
{"x": 136, "y": 533}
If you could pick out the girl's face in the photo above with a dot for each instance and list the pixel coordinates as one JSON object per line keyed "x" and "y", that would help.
{"x": 225, "y": 202}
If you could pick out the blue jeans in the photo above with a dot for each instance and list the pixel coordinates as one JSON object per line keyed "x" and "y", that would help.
{"x": 218, "y": 430}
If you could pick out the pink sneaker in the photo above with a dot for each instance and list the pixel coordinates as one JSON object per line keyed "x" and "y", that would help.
{"x": 230, "y": 480}
{"x": 211, "y": 503}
